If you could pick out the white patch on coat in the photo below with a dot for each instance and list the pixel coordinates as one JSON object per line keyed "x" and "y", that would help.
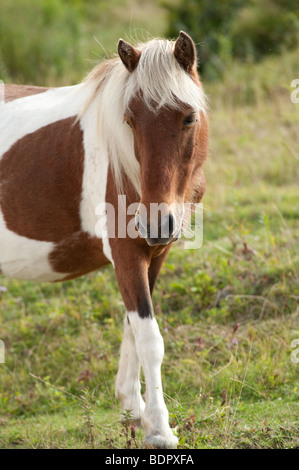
{"x": 28, "y": 114}
{"x": 22, "y": 258}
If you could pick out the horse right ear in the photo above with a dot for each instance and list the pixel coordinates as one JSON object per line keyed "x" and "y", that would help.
{"x": 128, "y": 54}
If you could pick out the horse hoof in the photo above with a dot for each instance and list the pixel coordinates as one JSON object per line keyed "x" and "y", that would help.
{"x": 157, "y": 441}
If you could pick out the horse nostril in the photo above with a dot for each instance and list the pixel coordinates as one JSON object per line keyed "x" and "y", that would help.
{"x": 171, "y": 224}
{"x": 168, "y": 225}
{"x": 151, "y": 230}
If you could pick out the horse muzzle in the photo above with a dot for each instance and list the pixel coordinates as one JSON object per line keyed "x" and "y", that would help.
{"x": 158, "y": 233}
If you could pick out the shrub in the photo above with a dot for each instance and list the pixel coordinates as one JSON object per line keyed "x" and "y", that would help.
{"x": 246, "y": 30}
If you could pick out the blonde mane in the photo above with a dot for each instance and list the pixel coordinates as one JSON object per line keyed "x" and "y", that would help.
{"x": 161, "y": 81}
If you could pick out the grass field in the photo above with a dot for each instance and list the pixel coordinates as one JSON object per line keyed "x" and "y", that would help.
{"x": 228, "y": 312}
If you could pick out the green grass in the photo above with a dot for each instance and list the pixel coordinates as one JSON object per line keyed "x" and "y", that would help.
{"x": 228, "y": 312}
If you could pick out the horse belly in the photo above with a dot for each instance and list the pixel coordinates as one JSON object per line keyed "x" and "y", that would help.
{"x": 34, "y": 260}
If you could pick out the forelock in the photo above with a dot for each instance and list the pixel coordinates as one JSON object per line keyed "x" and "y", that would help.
{"x": 161, "y": 80}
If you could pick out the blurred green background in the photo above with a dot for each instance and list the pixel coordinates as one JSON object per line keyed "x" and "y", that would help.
{"x": 55, "y": 41}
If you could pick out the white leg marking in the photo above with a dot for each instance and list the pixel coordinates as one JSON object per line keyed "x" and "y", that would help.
{"x": 127, "y": 388}
{"x": 150, "y": 350}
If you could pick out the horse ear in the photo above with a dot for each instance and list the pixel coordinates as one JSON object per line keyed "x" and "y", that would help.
{"x": 185, "y": 51}
{"x": 128, "y": 54}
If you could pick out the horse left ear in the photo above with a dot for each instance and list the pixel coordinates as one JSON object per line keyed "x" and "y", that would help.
{"x": 185, "y": 51}
{"x": 128, "y": 54}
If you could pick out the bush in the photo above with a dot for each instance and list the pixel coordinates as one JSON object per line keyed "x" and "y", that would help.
{"x": 247, "y": 30}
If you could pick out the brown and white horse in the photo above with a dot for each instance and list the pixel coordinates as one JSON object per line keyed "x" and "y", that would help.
{"x": 136, "y": 126}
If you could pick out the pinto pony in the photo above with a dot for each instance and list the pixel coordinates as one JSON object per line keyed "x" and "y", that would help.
{"x": 135, "y": 126}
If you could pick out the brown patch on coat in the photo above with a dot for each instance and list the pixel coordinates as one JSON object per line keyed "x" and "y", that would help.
{"x": 13, "y": 92}
{"x": 78, "y": 255}
{"x": 41, "y": 182}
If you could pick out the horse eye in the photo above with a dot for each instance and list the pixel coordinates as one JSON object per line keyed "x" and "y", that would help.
{"x": 129, "y": 124}
{"x": 189, "y": 120}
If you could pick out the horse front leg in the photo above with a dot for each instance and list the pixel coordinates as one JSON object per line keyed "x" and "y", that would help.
{"x": 150, "y": 350}
{"x": 127, "y": 387}
{"x": 133, "y": 280}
